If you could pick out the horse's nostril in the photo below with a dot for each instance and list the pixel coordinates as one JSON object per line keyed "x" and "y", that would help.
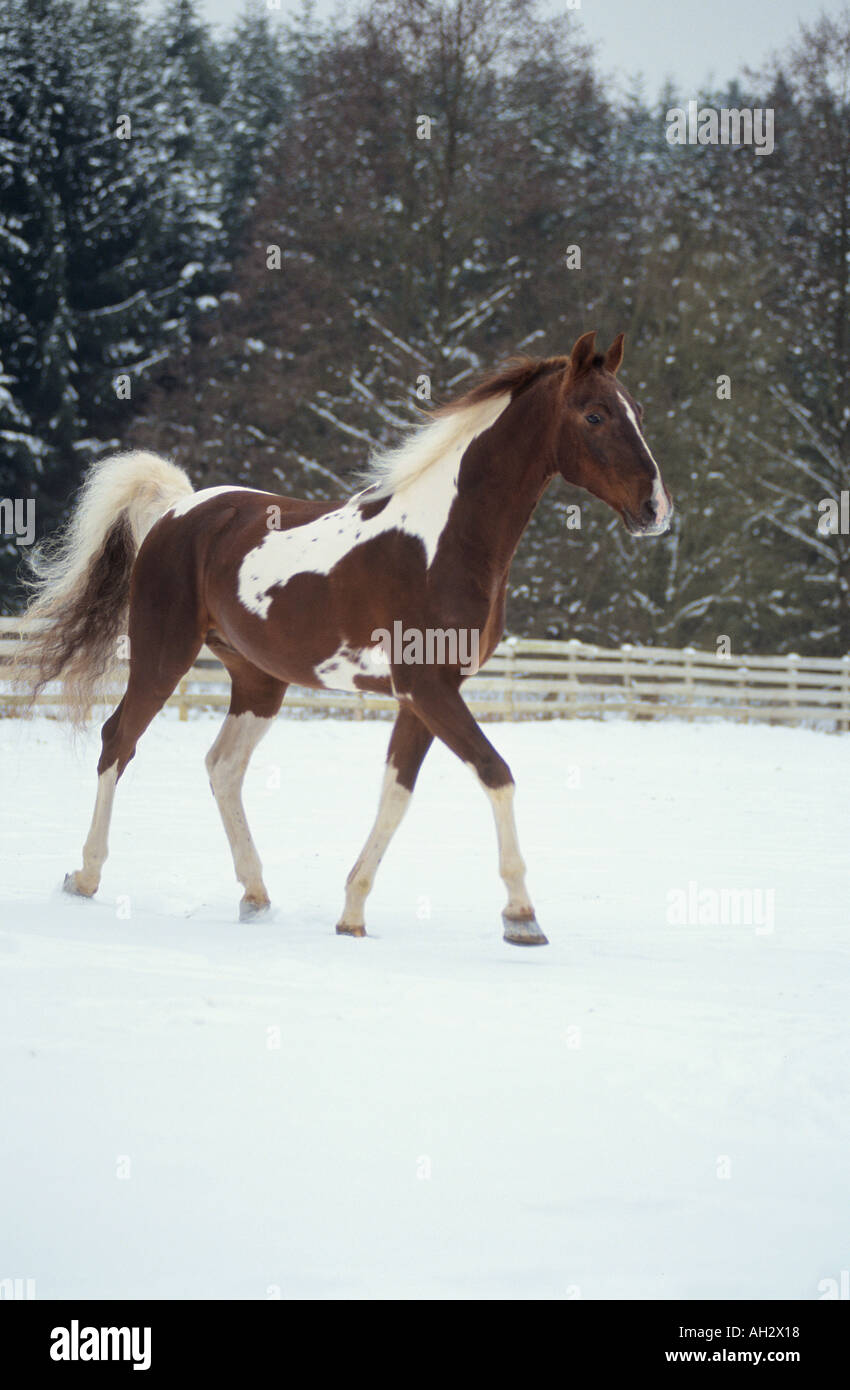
{"x": 647, "y": 511}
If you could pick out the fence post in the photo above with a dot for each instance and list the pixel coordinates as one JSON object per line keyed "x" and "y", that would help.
{"x": 743, "y": 675}
{"x": 571, "y": 680}
{"x": 627, "y": 678}
{"x": 689, "y": 681}
{"x": 181, "y": 699}
{"x": 793, "y": 688}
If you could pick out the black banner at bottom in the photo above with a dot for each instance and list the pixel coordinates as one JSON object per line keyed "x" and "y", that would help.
{"x": 86, "y": 1338}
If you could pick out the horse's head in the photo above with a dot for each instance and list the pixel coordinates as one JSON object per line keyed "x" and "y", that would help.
{"x": 601, "y": 445}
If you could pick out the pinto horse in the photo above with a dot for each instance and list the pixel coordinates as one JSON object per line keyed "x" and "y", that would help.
{"x": 287, "y": 591}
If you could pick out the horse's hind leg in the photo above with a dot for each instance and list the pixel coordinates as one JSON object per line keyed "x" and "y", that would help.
{"x": 157, "y": 664}
{"x": 254, "y": 702}
{"x": 86, "y": 880}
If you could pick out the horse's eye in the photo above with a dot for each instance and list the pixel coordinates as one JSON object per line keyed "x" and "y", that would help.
{"x": 593, "y": 419}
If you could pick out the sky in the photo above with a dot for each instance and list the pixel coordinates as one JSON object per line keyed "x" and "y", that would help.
{"x": 690, "y": 41}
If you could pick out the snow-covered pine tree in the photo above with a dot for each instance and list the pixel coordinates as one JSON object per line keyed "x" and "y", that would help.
{"x": 110, "y": 229}
{"x": 259, "y": 93}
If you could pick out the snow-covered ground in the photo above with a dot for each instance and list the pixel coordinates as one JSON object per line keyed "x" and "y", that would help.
{"x": 646, "y": 1108}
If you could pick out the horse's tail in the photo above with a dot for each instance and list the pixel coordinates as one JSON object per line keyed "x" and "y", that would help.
{"x": 80, "y": 580}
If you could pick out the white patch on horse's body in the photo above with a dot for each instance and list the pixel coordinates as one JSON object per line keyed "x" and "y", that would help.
{"x": 419, "y": 483}
{"x": 206, "y": 495}
{"x": 659, "y": 496}
{"x": 338, "y": 672}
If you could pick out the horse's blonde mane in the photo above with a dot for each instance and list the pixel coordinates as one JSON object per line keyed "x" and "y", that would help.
{"x": 393, "y": 469}
{"x": 451, "y": 428}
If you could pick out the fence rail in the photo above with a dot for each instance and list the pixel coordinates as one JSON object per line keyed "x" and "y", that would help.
{"x": 527, "y": 678}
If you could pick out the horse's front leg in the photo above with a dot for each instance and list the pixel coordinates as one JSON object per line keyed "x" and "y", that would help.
{"x": 442, "y": 709}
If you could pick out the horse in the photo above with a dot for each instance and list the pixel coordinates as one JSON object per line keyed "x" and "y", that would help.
{"x": 288, "y": 591}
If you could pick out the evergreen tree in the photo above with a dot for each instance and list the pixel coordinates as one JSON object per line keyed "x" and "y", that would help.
{"x": 109, "y": 231}
{"x": 303, "y": 234}
{"x": 259, "y": 94}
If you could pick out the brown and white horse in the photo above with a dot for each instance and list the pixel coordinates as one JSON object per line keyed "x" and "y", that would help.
{"x": 287, "y": 591}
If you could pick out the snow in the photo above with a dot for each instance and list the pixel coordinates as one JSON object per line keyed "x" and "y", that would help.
{"x": 194, "y": 1108}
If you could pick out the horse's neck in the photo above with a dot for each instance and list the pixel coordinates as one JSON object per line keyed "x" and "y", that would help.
{"x": 503, "y": 477}
{"x": 477, "y": 498}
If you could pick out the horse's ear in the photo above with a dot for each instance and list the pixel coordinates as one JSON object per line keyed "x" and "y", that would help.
{"x": 583, "y": 353}
{"x": 614, "y": 355}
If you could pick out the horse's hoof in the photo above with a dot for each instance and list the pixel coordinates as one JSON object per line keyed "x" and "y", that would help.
{"x": 253, "y": 912}
{"x": 523, "y": 932}
{"x": 343, "y": 929}
{"x": 72, "y": 885}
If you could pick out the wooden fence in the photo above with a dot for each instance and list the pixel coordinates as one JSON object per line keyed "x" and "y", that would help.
{"x": 530, "y": 679}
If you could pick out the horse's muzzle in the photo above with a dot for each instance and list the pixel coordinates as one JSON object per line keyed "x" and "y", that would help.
{"x": 654, "y": 518}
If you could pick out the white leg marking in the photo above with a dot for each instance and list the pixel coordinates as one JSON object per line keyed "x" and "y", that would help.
{"x": 226, "y": 763}
{"x": 518, "y": 917}
{"x": 87, "y": 879}
{"x": 358, "y": 885}
{"x": 511, "y": 865}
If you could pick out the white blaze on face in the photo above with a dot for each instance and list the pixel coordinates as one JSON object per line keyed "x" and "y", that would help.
{"x": 659, "y": 496}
